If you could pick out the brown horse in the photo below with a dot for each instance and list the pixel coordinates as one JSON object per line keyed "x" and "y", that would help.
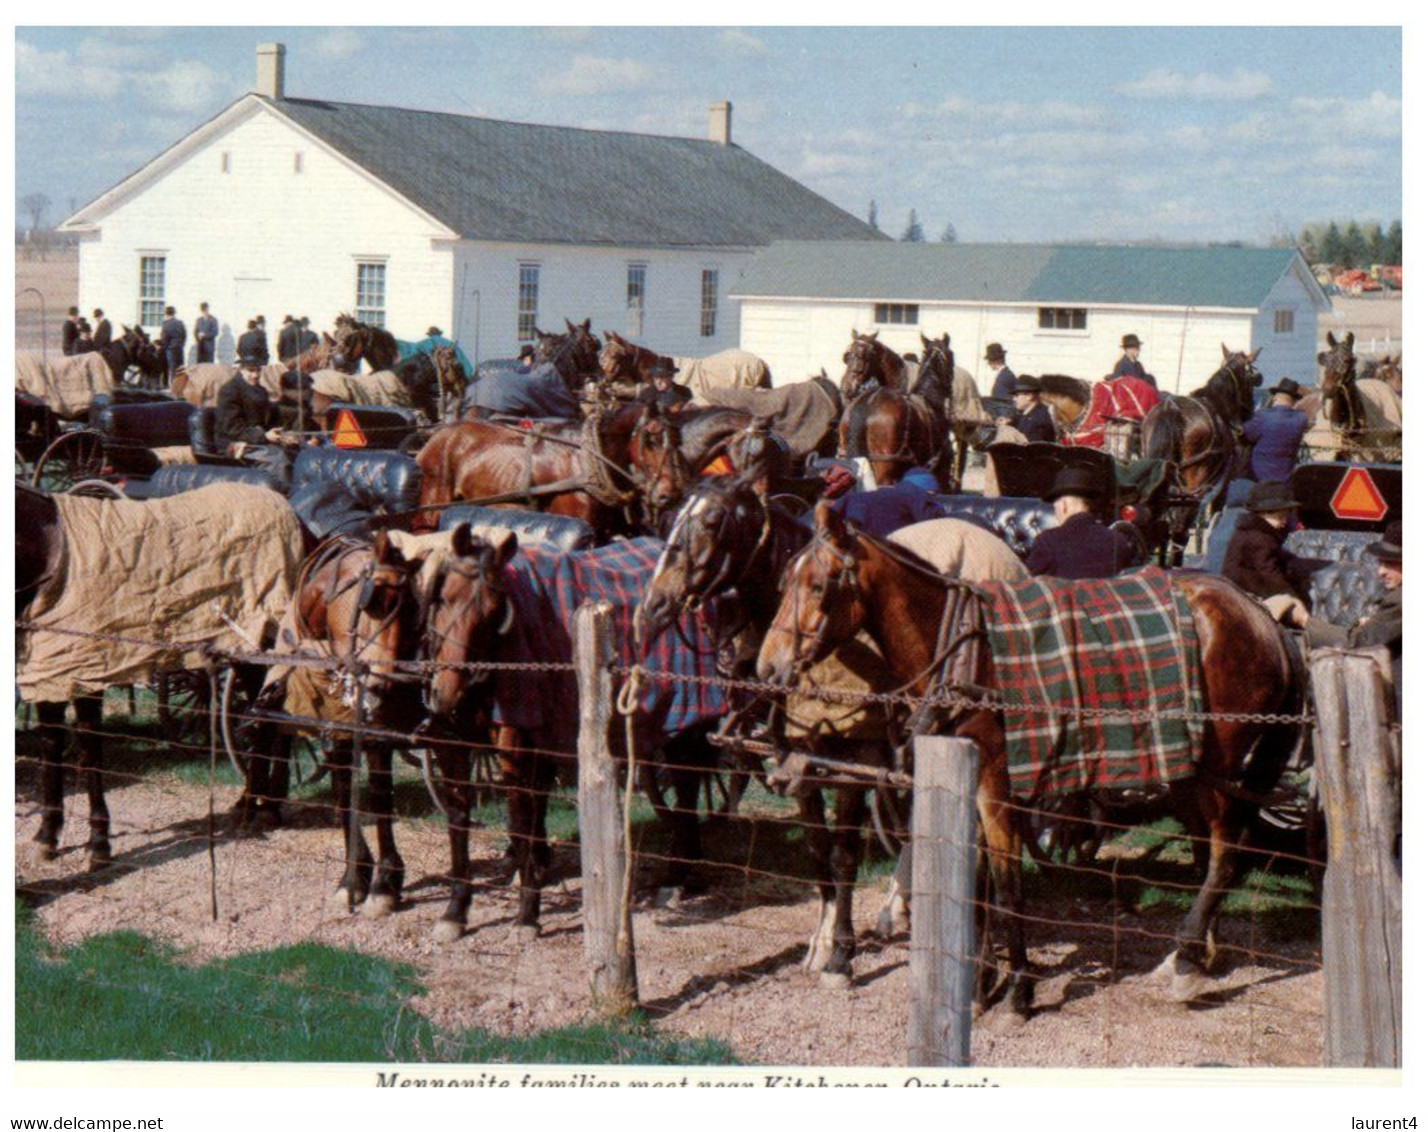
{"x": 451, "y": 375}
{"x": 846, "y": 581}
{"x": 1389, "y": 370}
{"x": 599, "y": 470}
{"x": 323, "y": 355}
{"x": 894, "y": 429}
{"x": 574, "y": 354}
{"x": 360, "y": 341}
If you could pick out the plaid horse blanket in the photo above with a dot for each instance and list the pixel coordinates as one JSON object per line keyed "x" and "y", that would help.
{"x": 1065, "y": 649}
{"x": 547, "y": 588}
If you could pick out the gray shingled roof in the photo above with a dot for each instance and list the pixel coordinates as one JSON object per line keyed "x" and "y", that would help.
{"x": 1031, "y": 273}
{"x": 492, "y": 180}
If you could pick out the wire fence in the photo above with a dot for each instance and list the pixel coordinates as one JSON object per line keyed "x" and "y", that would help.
{"x": 718, "y": 855}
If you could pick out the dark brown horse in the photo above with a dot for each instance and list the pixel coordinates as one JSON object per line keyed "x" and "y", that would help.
{"x": 896, "y": 430}
{"x": 606, "y": 468}
{"x": 323, "y": 354}
{"x": 621, "y": 360}
{"x": 360, "y": 341}
{"x": 846, "y": 581}
{"x": 574, "y": 354}
{"x": 1200, "y": 436}
{"x": 134, "y": 350}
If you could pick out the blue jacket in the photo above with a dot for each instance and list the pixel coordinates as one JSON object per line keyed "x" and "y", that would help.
{"x": 1127, "y": 368}
{"x": 1036, "y": 424}
{"x": 1004, "y": 385}
{"x": 171, "y": 336}
{"x": 911, "y": 500}
{"x": 1081, "y": 547}
{"x": 1276, "y": 433}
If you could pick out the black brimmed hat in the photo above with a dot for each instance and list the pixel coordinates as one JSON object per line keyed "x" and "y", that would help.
{"x": 1272, "y": 496}
{"x": 1026, "y": 384}
{"x": 995, "y": 353}
{"x": 1075, "y": 481}
{"x": 249, "y": 361}
{"x": 433, "y": 332}
{"x": 661, "y": 367}
{"x": 1287, "y": 385}
{"x": 1389, "y": 547}
{"x": 1130, "y": 342}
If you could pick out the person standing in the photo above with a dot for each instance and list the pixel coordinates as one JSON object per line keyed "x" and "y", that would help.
{"x": 1032, "y": 419}
{"x": 69, "y": 332}
{"x": 306, "y": 338}
{"x": 103, "y": 331}
{"x": 662, "y": 392}
{"x": 1003, "y": 380}
{"x": 1129, "y": 364}
{"x": 288, "y": 338}
{"x": 1275, "y": 432}
{"x": 253, "y": 344}
{"x": 172, "y": 336}
{"x": 84, "y": 344}
{"x": 261, "y": 325}
{"x": 1080, "y": 546}
{"x": 205, "y": 334}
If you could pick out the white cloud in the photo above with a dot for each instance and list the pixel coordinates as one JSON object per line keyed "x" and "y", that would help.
{"x": 742, "y": 42}
{"x": 186, "y": 85}
{"x": 105, "y": 70}
{"x": 338, "y": 43}
{"x": 1238, "y": 85}
{"x": 594, "y": 74}
{"x": 58, "y": 73}
{"x": 1377, "y": 116}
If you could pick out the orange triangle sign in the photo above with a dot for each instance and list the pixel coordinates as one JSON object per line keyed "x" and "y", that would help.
{"x": 348, "y": 434}
{"x": 1358, "y": 497}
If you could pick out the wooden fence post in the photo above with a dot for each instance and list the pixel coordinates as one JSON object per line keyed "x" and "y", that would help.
{"x": 609, "y": 931}
{"x": 942, "y": 974}
{"x": 1357, "y": 770}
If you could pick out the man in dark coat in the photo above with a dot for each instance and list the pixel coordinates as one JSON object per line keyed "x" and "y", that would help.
{"x": 1003, "y": 380}
{"x": 880, "y": 512}
{"x": 253, "y": 344}
{"x": 69, "y": 332}
{"x": 243, "y": 421}
{"x": 172, "y": 336}
{"x": 103, "y": 331}
{"x": 289, "y": 338}
{"x": 1276, "y": 432}
{"x": 205, "y": 334}
{"x": 1032, "y": 419}
{"x": 1256, "y": 560}
{"x": 1129, "y": 365}
{"x": 662, "y": 391}
{"x": 1080, "y": 546}
{"x": 306, "y": 338}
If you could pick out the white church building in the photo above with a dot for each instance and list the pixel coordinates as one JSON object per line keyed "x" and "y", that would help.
{"x": 409, "y": 219}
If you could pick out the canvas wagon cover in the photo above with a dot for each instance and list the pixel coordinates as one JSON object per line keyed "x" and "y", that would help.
{"x": 381, "y": 388}
{"x": 548, "y": 588}
{"x": 203, "y": 380}
{"x": 1125, "y": 644}
{"x": 66, "y": 385}
{"x": 163, "y": 573}
{"x": 801, "y": 413}
{"x": 724, "y": 370}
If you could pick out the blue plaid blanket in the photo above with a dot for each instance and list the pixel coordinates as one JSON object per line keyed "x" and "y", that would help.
{"x": 547, "y": 588}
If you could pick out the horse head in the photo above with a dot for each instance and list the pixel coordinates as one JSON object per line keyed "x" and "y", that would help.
{"x": 467, "y": 613}
{"x": 934, "y": 369}
{"x": 1240, "y": 366}
{"x": 864, "y": 362}
{"x": 1338, "y": 361}
{"x": 383, "y": 626}
{"x": 617, "y": 359}
{"x": 658, "y": 464}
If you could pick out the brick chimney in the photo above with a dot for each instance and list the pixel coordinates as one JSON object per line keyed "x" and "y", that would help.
{"x": 270, "y": 69}
{"x": 721, "y": 122}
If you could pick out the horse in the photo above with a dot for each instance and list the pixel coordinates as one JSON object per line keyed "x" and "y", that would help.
{"x": 846, "y": 581}
{"x": 451, "y": 375}
{"x": 623, "y": 361}
{"x": 323, "y": 354}
{"x": 1358, "y": 418}
{"x": 1200, "y": 434}
{"x": 491, "y": 603}
{"x": 134, "y": 350}
{"x": 893, "y": 429}
{"x": 359, "y": 341}
{"x": 574, "y": 354}
{"x": 596, "y": 470}
{"x": 1389, "y": 370}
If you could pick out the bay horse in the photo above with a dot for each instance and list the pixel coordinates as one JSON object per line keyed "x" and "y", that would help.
{"x": 845, "y": 581}
{"x": 1358, "y": 418}
{"x": 574, "y": 354}
{"x": 134, "y": 350}
{"x": 606, "y": 467}
{"x": 1200, "y": 436}
{"x": 323, "y": 354}
{"x": 360, "y": 341}
{"x": 895, "y": 430}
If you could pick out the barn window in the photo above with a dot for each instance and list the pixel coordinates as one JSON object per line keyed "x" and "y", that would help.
{"x": 226, "y": 162}
{"x": 1284, "y": 322}
{"x": 895, "y": 314}
{"x": 151, "y": 290}
{"x": 708, "y": 302}
{"x": 635, "y": 300}
{"x": 297, "y": 162}
{"x": 1061, "y": 318}
{"x": 371, "y": 306}
{"x": 527, "y": 302}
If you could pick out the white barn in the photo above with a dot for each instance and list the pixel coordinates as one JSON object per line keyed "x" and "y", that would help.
{"x": 1055, "y": 309}
{"x": 408, "y": 219}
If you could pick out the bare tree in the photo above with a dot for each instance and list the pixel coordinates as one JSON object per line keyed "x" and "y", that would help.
{"x": 36, "y": 205}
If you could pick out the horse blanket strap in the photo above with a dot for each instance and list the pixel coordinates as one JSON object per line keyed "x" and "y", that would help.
{"x": 600, "y": 472}
{"x": 1064, "y": 652}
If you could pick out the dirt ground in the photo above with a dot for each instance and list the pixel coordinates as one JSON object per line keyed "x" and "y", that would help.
{"x": 723, "y": 965}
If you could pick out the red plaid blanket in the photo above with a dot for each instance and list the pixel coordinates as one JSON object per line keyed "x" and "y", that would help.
{"x": 1064, "y": 651}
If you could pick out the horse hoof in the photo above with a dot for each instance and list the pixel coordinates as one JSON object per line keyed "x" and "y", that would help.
{"x": 835, "y": 980}
{"x": 670, "y": 897}
{"x": 338, "y": 900}
{"x": 99, "y": 862}
{"x": 378, "y": 905}
{"x": 48, "y": 852}
{"x": 446, "y": 931}
{"x": 1188, "y": 985}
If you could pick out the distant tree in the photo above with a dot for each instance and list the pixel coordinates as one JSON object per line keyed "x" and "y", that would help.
{"x": 1331, "y": 245}
{"x": 949, "y": 234}
{"x": 913, "y": 233}
{"x": 1309, "y": 244}
{"x": 35, "y": 205}
{"x": 1393, "y": 253}
{"x": 1355, "y": 245}
{"x": 873, "y": 214}
{"x": 1378, "y": 245}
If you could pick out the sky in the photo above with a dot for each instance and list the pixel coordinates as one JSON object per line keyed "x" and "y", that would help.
{"x": 1007, "y": 134}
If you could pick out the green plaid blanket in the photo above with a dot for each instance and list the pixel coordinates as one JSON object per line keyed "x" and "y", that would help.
{"x": 1064, "y": 652}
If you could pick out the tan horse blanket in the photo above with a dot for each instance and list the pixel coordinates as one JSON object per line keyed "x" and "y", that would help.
{"x": 380, "y": 388}
{"x": 966, "y": 406}
{"x": 199, "y": 384}
{"x": 67, "y": 385}
{"x": 728, "y": 369}
{"x": 954, "y": 548}
{"x": 801, "y": 413}
{"x": 167, "y": 576}
{"x": 1382, "y": 437}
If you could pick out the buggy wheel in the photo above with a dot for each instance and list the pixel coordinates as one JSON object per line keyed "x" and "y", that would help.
{"x": 306, "y": 753}
{"x": 795, "y": 505}
{"x": 185, "y": 709}
{"x": 96, "y": 489}
{"x": 70, "y": 458}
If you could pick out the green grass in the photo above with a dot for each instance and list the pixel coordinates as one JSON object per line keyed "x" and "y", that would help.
{"x": 124, "y": 996}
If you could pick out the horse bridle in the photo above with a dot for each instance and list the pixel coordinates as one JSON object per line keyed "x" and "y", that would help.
{"x": 431, "y": 640}
{"x": 669, "y": 450}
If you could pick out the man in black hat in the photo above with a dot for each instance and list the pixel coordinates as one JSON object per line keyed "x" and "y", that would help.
{"x": 662, "y": 391}
{"x": 1276, "y": 432}
{"x": 253, "y": 344}
{"x": 69, "y": 332}
{"x": 244, "y": 421}
{"x": 1003, "y": 380}
{"x": 1256, "y": 560}
{"x": 288, "y": 338}
{"x": 103, "y": 331}
{"x": 172, "y": 336}
{"x": 1032, "y": 419}
{"x": 1129, "y": 365}
{"x": 1080, "y": 546}
{"x": 205, "y": 334}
